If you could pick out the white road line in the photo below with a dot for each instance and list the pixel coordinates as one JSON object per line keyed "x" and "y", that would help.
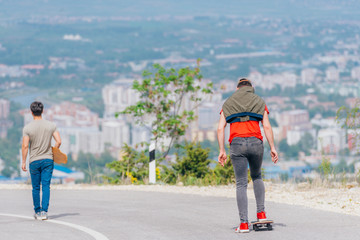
{"x": 93, "y": 233}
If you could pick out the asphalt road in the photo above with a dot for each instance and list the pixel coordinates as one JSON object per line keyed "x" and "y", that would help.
{"x": 103, "y": 215}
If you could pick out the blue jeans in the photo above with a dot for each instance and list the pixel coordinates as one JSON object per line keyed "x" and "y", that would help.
{"x": 41, "y": 172}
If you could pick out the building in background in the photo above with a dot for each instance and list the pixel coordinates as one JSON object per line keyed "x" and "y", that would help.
{"x": 208, "y": 118}
{"x": 68, "y": 114}
{"x": 308, "y": 76}
{"x": 331, "y": 140}
{"x": 139, "y": 134}
{"x": 115, "y": 132}
{"x": 332, "y": 74}
{"x": 81, "y": 139}
{"x": 269, "y": 81}
{"x": 5, "y": 124}
{"x": 355, "y": 73}
{"x": 118, "y": 95}
{"x": 293, "y": 125}
{"x": 4, "y": 108}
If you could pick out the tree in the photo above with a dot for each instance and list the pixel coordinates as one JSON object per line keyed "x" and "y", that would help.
{"x": 9, "y": 146}
{"x": 349, "y": 119}
{"x": 290, "y": 151}
{"x": 168, "y": 99}
{"x": 306, "y": 143}
{"x": 283, "y": 146}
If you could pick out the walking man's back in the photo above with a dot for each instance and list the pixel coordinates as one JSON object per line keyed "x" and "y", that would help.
{"x": 37, "y": 137}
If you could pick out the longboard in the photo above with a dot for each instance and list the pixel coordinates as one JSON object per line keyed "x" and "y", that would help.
{"x": 257, "y": 225}
{"x": 59, "y": 157}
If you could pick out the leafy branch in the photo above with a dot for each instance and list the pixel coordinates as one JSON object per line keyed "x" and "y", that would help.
{"x": 168, "y": 101}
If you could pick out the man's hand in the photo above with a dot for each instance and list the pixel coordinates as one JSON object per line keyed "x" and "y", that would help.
{"x": 274, "y": 155}
{"x": 23, "y": 167}
{"x": 222, "y": 158}
{"x": 221, "y": 135}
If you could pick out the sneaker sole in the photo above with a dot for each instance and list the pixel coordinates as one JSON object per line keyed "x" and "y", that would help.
{"x": 262, "y": 220}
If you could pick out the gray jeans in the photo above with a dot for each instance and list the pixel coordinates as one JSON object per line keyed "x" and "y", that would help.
{"x": 244, "y": 151}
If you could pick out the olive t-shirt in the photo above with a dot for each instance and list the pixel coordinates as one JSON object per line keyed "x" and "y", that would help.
{"x": 40, "y": 133}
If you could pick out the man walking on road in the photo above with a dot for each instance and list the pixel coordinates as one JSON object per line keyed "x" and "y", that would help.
{"x": 38, "y": 135}
{"x": 243, "y": 111}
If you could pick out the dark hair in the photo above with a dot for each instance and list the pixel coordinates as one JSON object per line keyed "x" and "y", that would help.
{"x": 37, "y": 108}
{"x": 244, "y": 82}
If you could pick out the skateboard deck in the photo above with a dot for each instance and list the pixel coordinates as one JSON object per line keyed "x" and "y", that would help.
{"x": 59, "y": 157}
{"x": 257, "y": 225}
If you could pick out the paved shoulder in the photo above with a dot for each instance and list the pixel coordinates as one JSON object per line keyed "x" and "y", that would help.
{"x": 151, "y": 215}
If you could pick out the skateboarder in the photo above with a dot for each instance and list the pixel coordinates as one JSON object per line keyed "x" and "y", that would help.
{"x": 38, "y": 135}
{"x": 243, "y": 111}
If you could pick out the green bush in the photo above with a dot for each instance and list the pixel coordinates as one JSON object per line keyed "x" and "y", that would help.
{"x": 225, "y": 175}
{"x": 195, "y": 162}
{"x": 325, "y": 167}
{"x": 132, "y": 168}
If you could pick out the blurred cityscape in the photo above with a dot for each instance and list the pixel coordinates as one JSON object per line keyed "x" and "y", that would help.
{"x": 305, "y": 68}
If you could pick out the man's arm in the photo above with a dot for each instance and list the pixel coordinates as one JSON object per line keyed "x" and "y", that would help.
{"x": 24, "y": 151}
{"x": 57, "y": 138}
{"x": 221, "y": 139}
{"x": 270, "y": 137}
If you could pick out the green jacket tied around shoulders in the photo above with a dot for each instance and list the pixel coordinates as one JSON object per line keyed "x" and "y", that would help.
{"x": 244, "y": 105}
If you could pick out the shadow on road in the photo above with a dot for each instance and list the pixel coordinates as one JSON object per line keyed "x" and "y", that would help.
{"x": 63, "y": 215}
{"x": 279, "y": 224}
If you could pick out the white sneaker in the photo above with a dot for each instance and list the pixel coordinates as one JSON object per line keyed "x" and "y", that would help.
{"x": 37, "y": 216}
{"x": 44, "y": 215}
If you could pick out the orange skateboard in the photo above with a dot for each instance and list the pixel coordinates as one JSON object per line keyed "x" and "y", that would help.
{"x": 59, "y": 157}
{"x": 257, "y": 225}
